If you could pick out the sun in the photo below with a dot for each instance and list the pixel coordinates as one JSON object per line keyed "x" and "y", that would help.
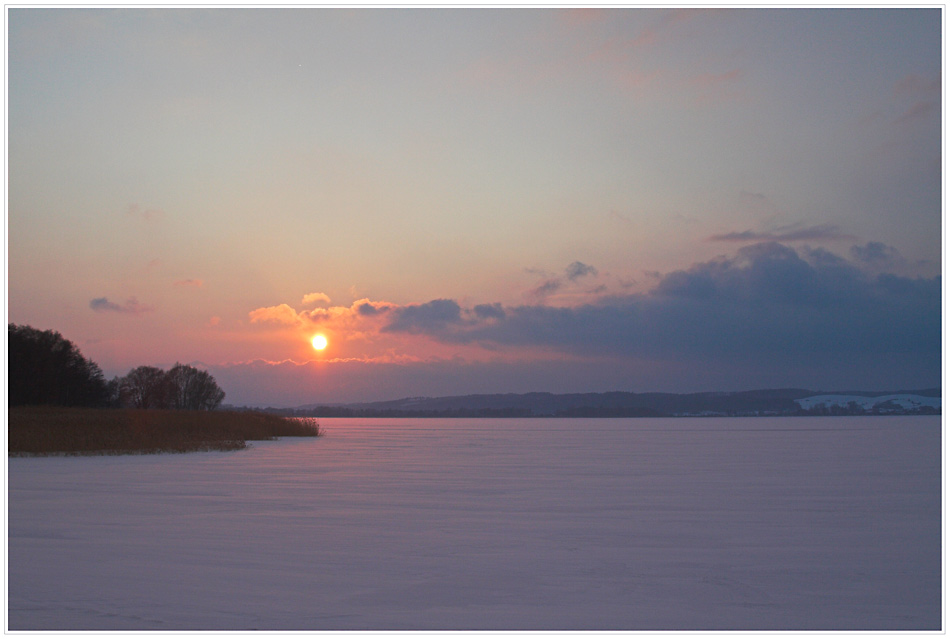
{"x": 319, "y": 342}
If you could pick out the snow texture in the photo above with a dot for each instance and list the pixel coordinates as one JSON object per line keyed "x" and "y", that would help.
{"x": 537, "y": 524}
{"x": 904, "y": 401}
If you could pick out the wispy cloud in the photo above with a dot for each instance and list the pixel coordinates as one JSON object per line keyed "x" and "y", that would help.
{"x": 577, "y": 270}
{"x": 131, "y": 307}
{"x": 188, "y": 283}
{"x": 785, "y": 234}
{"x": 583, "y": 15}
{"x": 545, "y": 288}
{"x": 918, "y": 111}
{"x": 551, "y": 284}
{"x": 915, "y": 84}
{"x": 710, "y": 87}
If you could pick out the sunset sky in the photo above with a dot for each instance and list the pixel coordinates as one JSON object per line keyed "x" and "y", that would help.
{"x": 481, "y": 200}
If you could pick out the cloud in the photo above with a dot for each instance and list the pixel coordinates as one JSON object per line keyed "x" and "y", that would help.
{"x": 131, "y": 307}
{"x": 769, "y": 315}
{"x": 575, "y": 270}
{"x": 768, "y": 303}
{"x": 366, "y": 308}
{"x": 362, "y": 315}
{"x": 432, "y": 317}
{"x": 315, "y": 298}
{"x": 878, "y": 255}
{"x": 583, "y": 15}
{"x": 280, "y": 314}
{"x": 546, "y": 288}
{"x": 753, "y": 196}
{"x": 489, "y": 311}
{"x": 918, "y": 111}
{"x": 764, "y": 310}
{"x": 188, "y": 283}
{"x": 578, "y": 269}
{"x": 916, "y": 84}
{"x": 784, "y": 234}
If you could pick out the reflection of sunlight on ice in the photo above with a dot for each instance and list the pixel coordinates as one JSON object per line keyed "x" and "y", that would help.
{"x": 784, "y": 523}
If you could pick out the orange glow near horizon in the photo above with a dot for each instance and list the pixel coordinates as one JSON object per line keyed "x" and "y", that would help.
{"x": 319, "y": 342}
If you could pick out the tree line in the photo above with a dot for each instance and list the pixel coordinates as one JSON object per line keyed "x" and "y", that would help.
{"x": 44, "y": 368}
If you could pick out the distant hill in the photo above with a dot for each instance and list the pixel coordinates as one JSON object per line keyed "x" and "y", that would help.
{"x": 786, "y": 401}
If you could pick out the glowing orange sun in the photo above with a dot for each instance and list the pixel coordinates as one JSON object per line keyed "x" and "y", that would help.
{"x": 319, "y": 342}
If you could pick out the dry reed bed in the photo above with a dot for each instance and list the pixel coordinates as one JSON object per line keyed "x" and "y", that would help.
{"x": 43, "y": 430}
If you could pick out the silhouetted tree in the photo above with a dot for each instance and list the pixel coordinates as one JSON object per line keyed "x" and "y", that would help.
{"x": 193, "y": 389}
{"x": 46, "y": 368}
{"x": 114, "y": 392}
{"x": 145, "y": 387}
{"x": 181, "y": 388}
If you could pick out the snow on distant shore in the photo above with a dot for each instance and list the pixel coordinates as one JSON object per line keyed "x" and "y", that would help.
{"x": 905, "y": 402}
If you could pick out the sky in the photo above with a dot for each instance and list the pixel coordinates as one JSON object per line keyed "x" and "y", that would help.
{"x": 473, "y": 200}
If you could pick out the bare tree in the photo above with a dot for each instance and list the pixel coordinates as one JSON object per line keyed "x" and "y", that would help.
{"x": 145, "y": 387}
{"x": 193, "y": 389}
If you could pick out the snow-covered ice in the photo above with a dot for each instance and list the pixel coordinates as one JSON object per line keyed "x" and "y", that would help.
{"x": 649, "y": 524}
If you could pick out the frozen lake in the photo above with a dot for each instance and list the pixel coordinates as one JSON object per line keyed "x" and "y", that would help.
{"x": 575, "y": 524}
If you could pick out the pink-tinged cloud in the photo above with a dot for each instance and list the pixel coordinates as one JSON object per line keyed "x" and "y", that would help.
{"x": 315, "y": 298}
{"x": 189, "y": 283}
{"x": 280, "y": 314}
{"x": 349, "y": 319}
{"x": 131, "y": 307}
{"x": 341, "y": 316}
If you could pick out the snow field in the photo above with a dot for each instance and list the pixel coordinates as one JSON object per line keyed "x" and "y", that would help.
{"x": 534, "y": 524}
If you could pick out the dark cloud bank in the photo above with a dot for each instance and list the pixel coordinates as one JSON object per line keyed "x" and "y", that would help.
{"x": 768, "y": 317}
{"x": 769, "y": 306}
{"x": 818, "y": 232}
